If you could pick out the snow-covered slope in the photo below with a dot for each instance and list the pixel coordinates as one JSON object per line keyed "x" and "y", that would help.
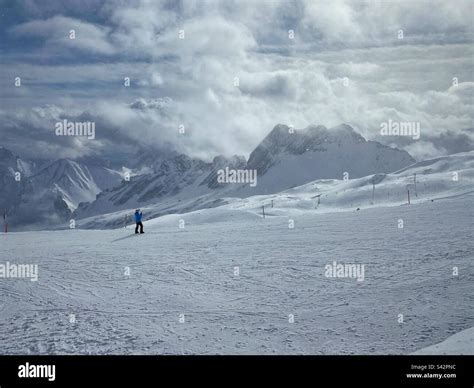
{"x": 242, "y": 284}
{"x": 425, "y": 181}
{"x": 459, "y": 343}
{"x": 74, "y": 182}
{"x": 438, "y": 178}
{"x": 288, "y": 158}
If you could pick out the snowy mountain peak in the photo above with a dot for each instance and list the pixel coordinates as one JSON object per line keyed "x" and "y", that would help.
{"x": 297, "y": 141}
{"x": 46, "y": 196}
{"x": 7, "y": 159}
{"x": 10, "y": 164}
{"x": 72, "y": 181}
{"x": 346, "y": 133}
{"x": 61, "y": 168}
{"x": 287, "y": 157}
{"x": 221, "y": 162}
{"x": 5, "y": 154}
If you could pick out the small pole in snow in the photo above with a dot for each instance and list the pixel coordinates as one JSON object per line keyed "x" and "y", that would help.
{"x": 373, "y": 192}
{"x": 263, "y": 210}
{"x": 319, "y": 201}
{"x": 414, "y": 179}
{"x": 408, "y": 191}
{"x": 5, "y": 222}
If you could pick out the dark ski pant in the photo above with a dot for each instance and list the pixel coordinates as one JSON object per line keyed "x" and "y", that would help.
{"x": 139, "y": 224}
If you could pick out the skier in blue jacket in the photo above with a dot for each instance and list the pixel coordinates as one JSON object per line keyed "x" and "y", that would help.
{"x": 138, "y": 220}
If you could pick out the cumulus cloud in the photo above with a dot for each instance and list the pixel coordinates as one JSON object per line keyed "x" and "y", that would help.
{"x": 228, "y": 72}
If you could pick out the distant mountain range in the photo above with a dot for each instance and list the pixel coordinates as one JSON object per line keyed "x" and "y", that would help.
{"x": 46, "y": 196}
{"x": 432, "y": 180}
{"x": 49, "y": 195}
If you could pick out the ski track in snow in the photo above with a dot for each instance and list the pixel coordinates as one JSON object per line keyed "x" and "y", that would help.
{"x": 190, "y": 271}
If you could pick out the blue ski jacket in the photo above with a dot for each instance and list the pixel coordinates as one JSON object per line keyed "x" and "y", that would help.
{"x": 138, "y": 217}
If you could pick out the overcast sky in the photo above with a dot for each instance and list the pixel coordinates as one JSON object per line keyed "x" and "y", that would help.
{"x": 346, "y": 63}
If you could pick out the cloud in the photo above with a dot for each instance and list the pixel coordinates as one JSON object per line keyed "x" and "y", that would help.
{"x": 153, "y": 79}
{"x": 56, "y": 31}
{"x": 346, "y": 64}
{"x": 365, "y": 24}
{"x": 267, "y": 84}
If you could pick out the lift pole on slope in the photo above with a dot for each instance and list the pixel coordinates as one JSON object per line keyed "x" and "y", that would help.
{"x": 373, "y": 192}
{"x": 414, "y": 181}
{"x": 5, "y": 222}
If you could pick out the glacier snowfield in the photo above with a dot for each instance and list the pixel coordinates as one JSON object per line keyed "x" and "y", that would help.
{"x": 230, "y": 282}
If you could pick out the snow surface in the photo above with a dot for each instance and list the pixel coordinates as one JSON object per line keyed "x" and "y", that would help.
{"x": 191, "y": 271}
{"x": 459, "y": 343}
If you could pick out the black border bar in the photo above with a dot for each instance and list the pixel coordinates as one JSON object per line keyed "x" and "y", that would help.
{"x": 321, "y": 371}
